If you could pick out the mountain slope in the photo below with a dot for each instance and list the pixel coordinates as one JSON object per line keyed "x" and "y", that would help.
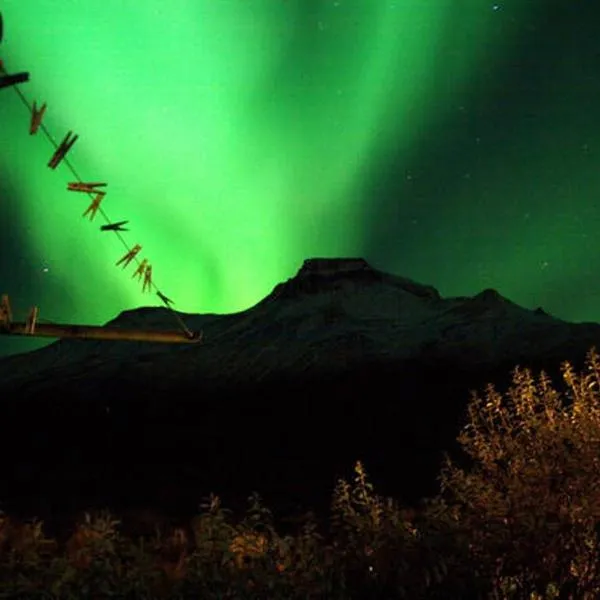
{"x": 334, "y": 313}
{"x": 341, "y": 362}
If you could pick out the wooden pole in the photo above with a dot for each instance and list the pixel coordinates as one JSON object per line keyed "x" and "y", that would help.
{"x": 93, "y": 332}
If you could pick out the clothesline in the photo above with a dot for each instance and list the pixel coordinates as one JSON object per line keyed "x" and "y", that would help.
{"x": 144, "y": 268}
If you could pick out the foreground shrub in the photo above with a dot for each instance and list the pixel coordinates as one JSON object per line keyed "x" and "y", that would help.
{"x": 214, "y": 558}
{"x": 531, "y": 500}
{"x": 519, "y": 522}
{"x": 406, "y": 553}
{"x": 218, "y": 557}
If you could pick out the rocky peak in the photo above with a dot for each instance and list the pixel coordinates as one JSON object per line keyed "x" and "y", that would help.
{"x": 319, "y": 275}
{"x": 332, "y": 266}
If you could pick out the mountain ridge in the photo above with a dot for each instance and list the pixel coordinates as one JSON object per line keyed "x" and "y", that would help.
{"x": 343, "y": 306}
{"x": 339, "y": 362}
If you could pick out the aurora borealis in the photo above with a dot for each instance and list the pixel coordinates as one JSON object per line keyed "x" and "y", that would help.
{"x": 456, "y": 145}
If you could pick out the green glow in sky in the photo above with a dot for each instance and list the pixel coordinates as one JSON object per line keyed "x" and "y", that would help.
{"x": 240, "y": 137}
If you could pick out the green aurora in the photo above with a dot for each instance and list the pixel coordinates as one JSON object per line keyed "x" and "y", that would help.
{"x": 453, "y": 145}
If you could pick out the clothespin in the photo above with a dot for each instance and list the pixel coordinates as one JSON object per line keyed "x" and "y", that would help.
{"x": 92, "y": 209}
{"x": 9, "y": 80}
{"x": 114, "y": 226}
{"x": 147, "y": 278}
{"x": 129, "y": 256}
{"x": 90, "y": 188}
{"x": 5, "y": 312}
{"x": 31, "y": 320}
{"x": 166, "y": 301}
{"x": 62, "y": 150}
{"x": 36, "y": 118}
{"x": 140, "y": 270}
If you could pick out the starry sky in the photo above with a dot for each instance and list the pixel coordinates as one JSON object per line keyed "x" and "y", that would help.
{"x": 457, "y": 144}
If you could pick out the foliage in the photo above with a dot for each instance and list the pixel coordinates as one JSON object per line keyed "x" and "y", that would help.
{"x": 520, "y": 521}
{"x": 531, "y": 501}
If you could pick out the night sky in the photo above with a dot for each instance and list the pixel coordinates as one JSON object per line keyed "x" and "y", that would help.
{"x": 455, "y": 143}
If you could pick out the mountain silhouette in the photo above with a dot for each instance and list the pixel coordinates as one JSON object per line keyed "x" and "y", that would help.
{"x": 341, "y": 362}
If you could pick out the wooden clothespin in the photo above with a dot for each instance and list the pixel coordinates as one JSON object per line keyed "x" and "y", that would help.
{"x": 5, "y": 312}
{"x": 147, "y": 278}
{"x": 92, "y": 209}
{"x": 36, "y": 118}
{"x": 139, "y": 272}
{"x": 62, "y": 150}
{"x": 10, "y": 80}
{"x": 167, "y": 301}
{"x": 89, "y": 188}
{"x": 129, "y": 256}
{"x": 31, "y": 320}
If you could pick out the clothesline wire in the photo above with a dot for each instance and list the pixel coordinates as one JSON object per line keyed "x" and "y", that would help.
{"x": 75, "y": 174}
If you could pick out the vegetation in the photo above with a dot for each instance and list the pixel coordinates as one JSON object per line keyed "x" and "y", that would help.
{"x": 517, "y": 519}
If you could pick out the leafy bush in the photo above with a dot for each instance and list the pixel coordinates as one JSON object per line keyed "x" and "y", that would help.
{"x": 531, "y": 500}
{"x": 520, "y": 521}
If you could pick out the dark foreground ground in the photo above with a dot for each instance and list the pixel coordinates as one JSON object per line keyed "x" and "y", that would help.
{"x": 127, "y": 447}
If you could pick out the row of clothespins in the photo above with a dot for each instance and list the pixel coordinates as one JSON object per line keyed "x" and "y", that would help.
{"x": 144, "y": 269}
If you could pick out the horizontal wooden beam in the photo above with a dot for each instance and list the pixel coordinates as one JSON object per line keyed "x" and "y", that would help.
{"x": 93, "y": 332}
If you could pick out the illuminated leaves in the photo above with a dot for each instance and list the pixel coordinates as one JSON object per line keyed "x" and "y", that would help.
{"x": 534, "y": 489}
